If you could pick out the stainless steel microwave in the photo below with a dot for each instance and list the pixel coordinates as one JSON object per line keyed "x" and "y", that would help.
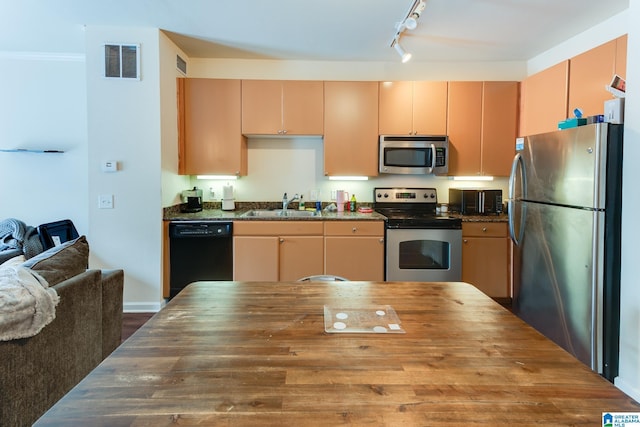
{"x": 414, "y": 154}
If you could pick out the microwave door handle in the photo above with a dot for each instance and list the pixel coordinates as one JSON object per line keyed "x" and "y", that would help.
{"x": 433, "y": 157}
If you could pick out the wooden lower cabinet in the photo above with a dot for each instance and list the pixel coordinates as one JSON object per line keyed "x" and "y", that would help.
{"x": 486, "y": 258}
{"x": 291, "y": 250}
{"x": 277, "y": 250}
{"x": 354, "y": 250}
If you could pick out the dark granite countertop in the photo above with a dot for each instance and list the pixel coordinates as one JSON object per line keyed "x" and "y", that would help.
{"x": 482, "y": 218}
{"x": 212, "y": 212}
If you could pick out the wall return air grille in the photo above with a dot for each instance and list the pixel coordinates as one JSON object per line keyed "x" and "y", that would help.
{"x": 122, "y": 61}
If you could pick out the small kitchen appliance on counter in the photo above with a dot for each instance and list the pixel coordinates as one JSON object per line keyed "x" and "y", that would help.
{"x": 228, "y": 203}
{"x": 192, "y": 200}
{"x": 475, "y": 202}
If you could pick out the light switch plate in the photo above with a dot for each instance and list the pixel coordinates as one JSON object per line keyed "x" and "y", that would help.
{"x": 105, "y": 201}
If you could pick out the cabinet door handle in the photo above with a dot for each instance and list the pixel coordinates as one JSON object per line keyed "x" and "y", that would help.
{"x": 281, "y": 240}
{"x": 465, "y": 241}
{"x": 381, "y": 240}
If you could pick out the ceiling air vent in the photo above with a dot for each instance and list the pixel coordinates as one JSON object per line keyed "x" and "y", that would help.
{"x": 122, "y": 61}
{"x": 181, "y": 64}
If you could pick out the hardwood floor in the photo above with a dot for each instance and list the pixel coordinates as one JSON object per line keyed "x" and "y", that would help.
{"x": 132, "y": 321}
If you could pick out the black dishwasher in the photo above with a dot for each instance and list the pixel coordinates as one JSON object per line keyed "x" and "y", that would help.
{"x": 199, "y": 251}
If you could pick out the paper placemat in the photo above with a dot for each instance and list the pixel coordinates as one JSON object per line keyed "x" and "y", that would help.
{"x": 370, "y": 320}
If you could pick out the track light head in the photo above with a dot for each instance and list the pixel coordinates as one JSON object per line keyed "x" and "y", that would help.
{"x": 410, "y": 23}
{"x": 406, "y": 56}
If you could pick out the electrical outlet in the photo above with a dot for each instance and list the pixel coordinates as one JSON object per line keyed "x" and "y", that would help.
{"x": 333, "y": 194}
{"x": 105, "y": 201}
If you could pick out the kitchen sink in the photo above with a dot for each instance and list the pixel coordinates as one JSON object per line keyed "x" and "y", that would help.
{"x": 277, "y": 213}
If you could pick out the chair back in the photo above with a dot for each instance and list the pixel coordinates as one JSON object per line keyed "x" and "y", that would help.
{"x": 323, "y": 278}
{"x": 55, "y": 233}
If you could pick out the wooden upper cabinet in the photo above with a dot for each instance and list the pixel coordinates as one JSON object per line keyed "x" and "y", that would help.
{"x": 589, "y": 73}
{"x": 282, "y": 107}
{"x": 209, "y": 127}
{"x": 544, "y": 100}
{"x": 621, "y": 56}
{"x": 464, "y": 125}
{"x": 303, "y": 107}
{"x": 351, "y": 128}
{"x": 499, "y": 127}
{"x": 412, "y": 108}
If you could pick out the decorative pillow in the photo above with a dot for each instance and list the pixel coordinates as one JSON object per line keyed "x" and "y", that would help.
{"x": 16, "y": 260}
{"x": 61, "y": 262}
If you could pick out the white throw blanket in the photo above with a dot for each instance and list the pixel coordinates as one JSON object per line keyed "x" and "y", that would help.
{"x": 27, "y": 303}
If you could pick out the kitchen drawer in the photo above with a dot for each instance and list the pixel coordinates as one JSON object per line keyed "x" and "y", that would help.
{"x": 277, "y": 228}
{"x": 354, "y": 228}
{"x": 484, "y": 229}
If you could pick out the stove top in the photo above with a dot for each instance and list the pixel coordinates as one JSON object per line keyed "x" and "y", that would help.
{"x": 411, "y": 208}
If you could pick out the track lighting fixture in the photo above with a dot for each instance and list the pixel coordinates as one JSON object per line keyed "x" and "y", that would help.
{"x": 410, "y": 22}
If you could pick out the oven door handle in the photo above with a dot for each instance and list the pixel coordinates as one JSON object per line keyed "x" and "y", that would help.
{"x": 433, "y": 158}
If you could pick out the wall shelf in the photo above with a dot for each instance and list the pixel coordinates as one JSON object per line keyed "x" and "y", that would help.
{"x": 24, "y": 150}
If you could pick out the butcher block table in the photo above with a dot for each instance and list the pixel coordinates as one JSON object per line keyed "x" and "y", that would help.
{"x": 257, "y": 354}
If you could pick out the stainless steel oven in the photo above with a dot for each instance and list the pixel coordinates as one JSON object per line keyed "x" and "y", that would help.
{"x": 420, "y": 245}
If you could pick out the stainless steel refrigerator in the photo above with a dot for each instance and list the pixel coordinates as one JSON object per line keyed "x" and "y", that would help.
{"x": 565, "y": 197}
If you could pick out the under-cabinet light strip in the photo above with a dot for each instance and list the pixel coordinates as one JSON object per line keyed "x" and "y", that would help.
{"x": 348, "y": 178}
{"x": 225, "y": 177}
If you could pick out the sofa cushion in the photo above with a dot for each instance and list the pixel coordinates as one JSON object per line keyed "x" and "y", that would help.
{"x": 61, "y": 262}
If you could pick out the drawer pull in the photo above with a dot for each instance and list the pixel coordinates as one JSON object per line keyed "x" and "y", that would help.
{"x": 484, "y": 229}
{"x": 354, "y": 229}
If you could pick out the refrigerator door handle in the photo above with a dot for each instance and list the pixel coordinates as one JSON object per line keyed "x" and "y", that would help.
{"x": 517, "y": 161}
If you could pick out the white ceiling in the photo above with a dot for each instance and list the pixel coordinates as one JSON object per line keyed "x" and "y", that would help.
{"x": 324, "y": 30}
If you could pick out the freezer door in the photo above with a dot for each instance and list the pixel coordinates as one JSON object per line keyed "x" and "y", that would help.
{"x": 564, "y": 167}
{"x": 557, "y": 278}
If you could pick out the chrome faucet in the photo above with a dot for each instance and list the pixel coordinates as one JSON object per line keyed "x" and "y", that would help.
{"x": 285, "y": 201}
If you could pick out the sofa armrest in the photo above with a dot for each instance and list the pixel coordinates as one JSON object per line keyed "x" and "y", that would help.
{"x": 112, "y": 296}
{"x": 36, "y": 372}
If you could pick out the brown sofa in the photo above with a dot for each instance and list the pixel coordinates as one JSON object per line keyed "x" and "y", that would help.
{"x": 36, "y": 372}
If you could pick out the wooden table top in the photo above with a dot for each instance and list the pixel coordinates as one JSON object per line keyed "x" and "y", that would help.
{"x": 233, "y": 353}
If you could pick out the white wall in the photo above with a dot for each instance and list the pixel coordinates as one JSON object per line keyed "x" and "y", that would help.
{"x": 124, "y": 125}
{"x": 295, "y": 165}
{"x": 327, "y": 70}
{"x": 629, "y": 378}
{"x": 608, "y": 30}
{"x": 43, "y": 106}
